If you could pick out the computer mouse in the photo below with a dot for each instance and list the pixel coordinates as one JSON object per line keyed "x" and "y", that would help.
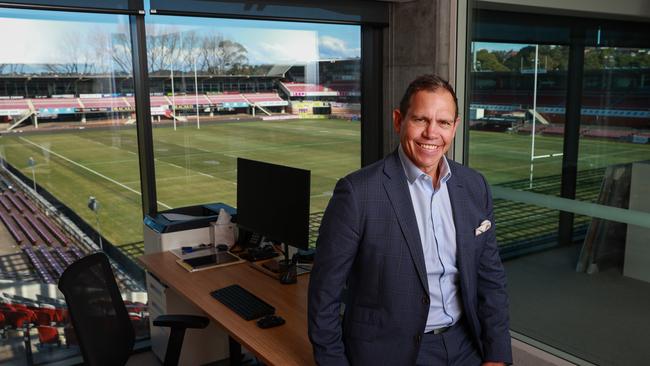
{"x": 270, "y": 321}
{"x": 222, "y": 247}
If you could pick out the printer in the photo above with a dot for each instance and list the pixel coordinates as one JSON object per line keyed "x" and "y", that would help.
{"x": 184, "y": 226}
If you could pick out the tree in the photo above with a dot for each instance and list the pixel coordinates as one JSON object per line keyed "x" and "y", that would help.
{"x": 78, "y": 57}
{"x": 489, "y": 61}
{"x": 219, "y": 55}
{"x": 163, "y": 46}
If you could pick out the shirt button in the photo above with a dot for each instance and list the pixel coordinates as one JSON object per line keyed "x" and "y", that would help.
{"x": 425, "y": 300}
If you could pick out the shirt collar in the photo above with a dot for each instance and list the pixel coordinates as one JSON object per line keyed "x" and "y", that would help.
{"x": 413, "y": 172}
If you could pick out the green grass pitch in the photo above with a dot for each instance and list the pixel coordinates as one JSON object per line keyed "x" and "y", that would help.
{"x": 192, "y": 165}
{"x": 196, "y": 166}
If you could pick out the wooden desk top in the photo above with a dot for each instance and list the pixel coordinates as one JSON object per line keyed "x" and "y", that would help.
{"x": 287, "y": 344}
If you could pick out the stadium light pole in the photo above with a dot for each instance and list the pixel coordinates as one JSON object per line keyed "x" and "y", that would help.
{"x": 173, "y": 100}
{"x": 196, "y": 93}
{"x": 532, "y": 145}
{"x": 93, "y": 205}
{"x": 32, "y": 163}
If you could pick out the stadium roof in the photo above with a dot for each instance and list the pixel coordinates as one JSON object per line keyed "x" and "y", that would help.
{"x": 278, "y": 70}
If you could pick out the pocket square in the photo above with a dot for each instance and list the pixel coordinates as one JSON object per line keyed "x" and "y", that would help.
{"x": 485, "y": 226}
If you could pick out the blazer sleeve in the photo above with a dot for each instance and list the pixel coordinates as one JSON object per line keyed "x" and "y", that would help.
{"x": 493, "y": 307}
{"x": 336, "y": 250}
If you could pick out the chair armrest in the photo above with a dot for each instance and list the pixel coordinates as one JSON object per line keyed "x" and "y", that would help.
{"x": 181, "y": 321}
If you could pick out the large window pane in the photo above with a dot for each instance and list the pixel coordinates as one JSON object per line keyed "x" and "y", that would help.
{"x": 66, "y": 107}
{"x": 615, "y": 126}
{"x": 285, "y": 93}
{"x": 591, "y": 281}
{"x": 517, "y": 113}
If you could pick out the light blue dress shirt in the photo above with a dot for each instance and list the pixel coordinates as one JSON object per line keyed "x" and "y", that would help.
{"x": 438, "y": 236}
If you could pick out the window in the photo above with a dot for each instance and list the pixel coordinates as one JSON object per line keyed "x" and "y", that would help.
{"x": 285, "y": 93}
{"x": 559, "y": 126}
{"x": 69, "y": 180}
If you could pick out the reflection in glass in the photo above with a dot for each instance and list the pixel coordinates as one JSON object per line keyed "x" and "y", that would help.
{"x": 284, "y": 93}
{"x": 569, "y": 298}
{"x": 615, "y": 112}
{"x": 517, "y": 117}
{"x": 69, "y": 182}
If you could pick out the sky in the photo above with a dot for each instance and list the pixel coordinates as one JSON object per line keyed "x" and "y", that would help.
{"x": 37, "y": 37}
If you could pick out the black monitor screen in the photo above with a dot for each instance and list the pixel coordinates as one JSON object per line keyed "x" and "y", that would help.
{"x": 273, "y": 201}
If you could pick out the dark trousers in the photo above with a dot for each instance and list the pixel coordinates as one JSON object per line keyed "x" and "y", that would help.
{"x": 453, "y": 347}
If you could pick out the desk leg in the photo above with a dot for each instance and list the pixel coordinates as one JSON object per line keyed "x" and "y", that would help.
{"x": 235, "y": 352}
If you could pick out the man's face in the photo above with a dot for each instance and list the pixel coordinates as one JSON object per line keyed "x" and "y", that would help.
{"x": 427, "y": 129}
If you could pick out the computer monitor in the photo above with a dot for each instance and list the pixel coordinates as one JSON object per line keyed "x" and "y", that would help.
{"x": 273, "y": 201}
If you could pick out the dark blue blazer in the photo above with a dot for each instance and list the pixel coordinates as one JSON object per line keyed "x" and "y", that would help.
{"x": 369, "y": 241}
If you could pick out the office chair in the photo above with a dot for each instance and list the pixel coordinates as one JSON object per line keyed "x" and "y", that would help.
{"x": 100, "y": 319}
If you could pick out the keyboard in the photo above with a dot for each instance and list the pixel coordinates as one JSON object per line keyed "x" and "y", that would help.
{"x": 242, "y": 302}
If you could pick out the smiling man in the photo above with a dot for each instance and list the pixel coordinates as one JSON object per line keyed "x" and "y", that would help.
{"x": 412, "y": 238}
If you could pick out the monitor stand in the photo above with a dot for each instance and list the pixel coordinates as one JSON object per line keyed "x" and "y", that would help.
{"x": 280, "y": 266}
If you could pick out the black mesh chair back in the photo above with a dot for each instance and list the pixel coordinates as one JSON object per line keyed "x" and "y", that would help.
{"x": 99, "y": 317}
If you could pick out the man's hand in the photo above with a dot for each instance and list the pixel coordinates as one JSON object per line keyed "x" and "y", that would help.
{"x": 493, "y": 364}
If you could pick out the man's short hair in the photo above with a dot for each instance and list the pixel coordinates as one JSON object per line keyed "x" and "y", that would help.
{"x": 429, "y": 83}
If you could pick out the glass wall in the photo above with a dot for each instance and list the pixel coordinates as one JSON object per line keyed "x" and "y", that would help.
{"x": 559, "y": 123}
{"x": 516, "y": 126}
{"x": 69, "y": 181}
{"x": 284, "y": 93}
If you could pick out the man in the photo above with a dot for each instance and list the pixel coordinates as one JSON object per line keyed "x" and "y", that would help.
{"x": 412, "y": 237}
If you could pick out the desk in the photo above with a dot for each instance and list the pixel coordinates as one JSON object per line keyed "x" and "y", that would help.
{"x": 284, "y": 345}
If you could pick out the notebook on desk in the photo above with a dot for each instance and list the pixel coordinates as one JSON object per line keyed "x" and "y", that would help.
{"x": 212, "y": 260}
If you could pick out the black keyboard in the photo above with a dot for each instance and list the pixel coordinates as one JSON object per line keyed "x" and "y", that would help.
{"x": 242, "y": 302}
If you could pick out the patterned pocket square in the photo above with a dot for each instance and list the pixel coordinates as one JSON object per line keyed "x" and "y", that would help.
{"x": 485, "y": 226}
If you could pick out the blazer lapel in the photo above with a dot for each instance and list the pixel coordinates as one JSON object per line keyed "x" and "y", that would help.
{"x": 398, "y": 193}
{"x": 458, "y": 200}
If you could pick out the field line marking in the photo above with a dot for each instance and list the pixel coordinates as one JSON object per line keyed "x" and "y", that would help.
{"x": 88, "y": 169}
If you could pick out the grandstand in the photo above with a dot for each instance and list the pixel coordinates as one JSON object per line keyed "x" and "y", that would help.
{"x": 32, "y": 258}
{"x": 306, "y": 90}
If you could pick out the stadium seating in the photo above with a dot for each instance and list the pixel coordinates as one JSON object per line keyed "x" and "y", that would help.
{"x": 306, "y": 89}
{"x": 54, "y": 103}
{"x": 18, "y": 237}
{"x": 53, "y": 229}
{"x": 5, "y": 203}
{"x": 15, "y": 202}
{"x": 17, "y": 319}
{"x": 44, "y": 318}
{"x": 223, "y": 99}
{"x": 14, "y": 104}
{"x": 262, "y": 97}
{"x": 42, "y": 232}
{"x": 2, "y": 325}
{"x": 50, "y": 260}
{"x": 104, "y": 103}
{"x": 607, "y": 134}
{"x": 48, "y": 335}
{"x": 190, "y": 99}
{"x": 38, "y": 265}
{"x": 26, "y": 202}
{"x": 77, "y": 252}
{"x": 64, "y": 256}
{"x": 30, "y": 236}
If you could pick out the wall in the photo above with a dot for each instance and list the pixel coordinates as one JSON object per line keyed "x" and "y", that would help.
{"x": 419, "y": 41}
{"x": 620, "y": 9}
